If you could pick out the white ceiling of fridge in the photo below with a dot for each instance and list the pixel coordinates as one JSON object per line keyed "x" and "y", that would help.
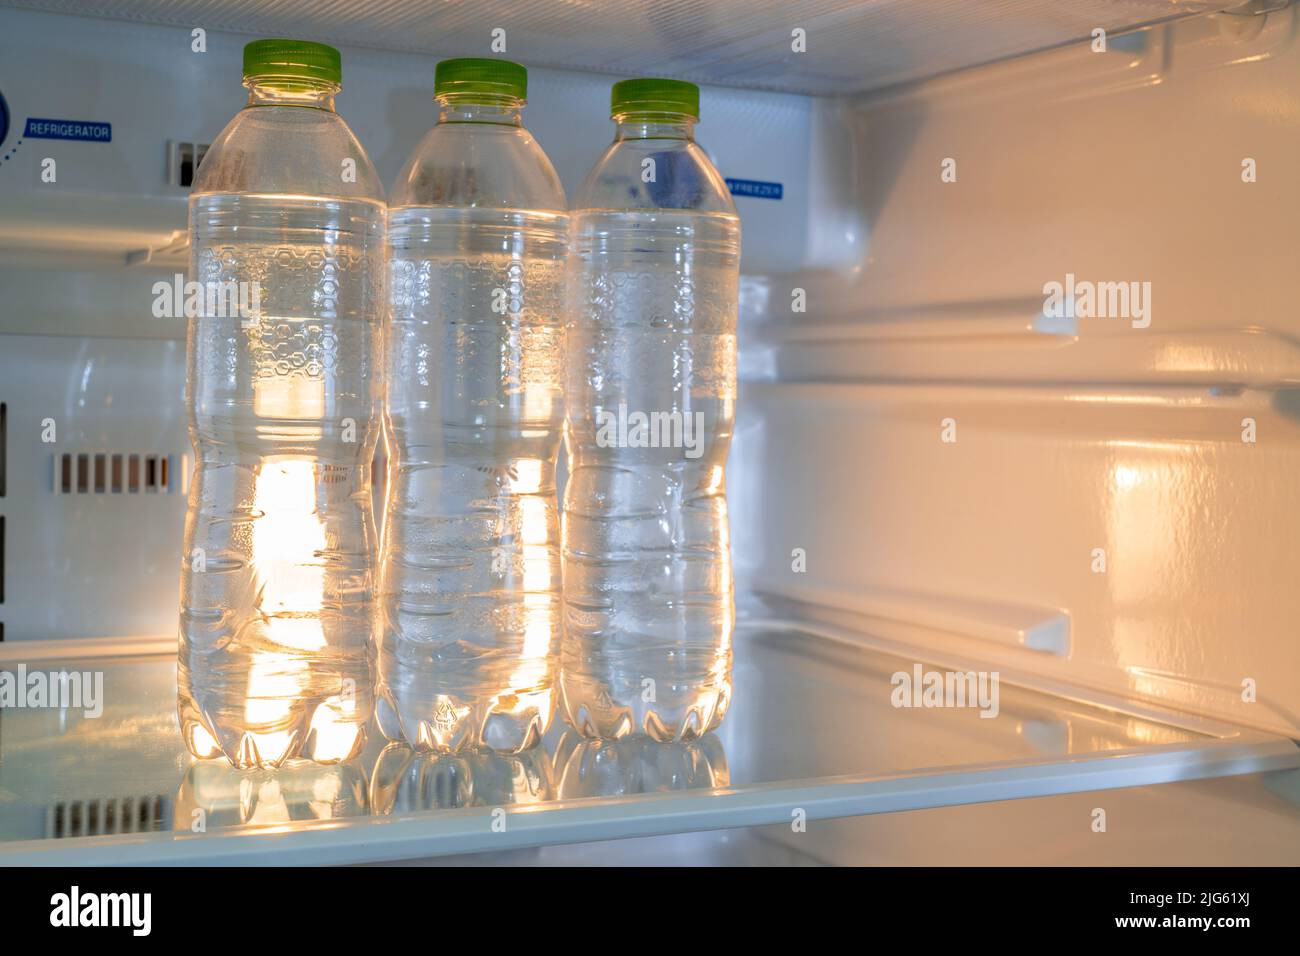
{"x": 821, "y": 47}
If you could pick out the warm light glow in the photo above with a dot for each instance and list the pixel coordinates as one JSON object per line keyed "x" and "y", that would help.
{"x": 1126, "y": 477}
{"x": 262, "y": 802}
{"x": 335, "y": 727}
{"x": 288, "y": 396}
{"x": 528, "y": 479}
{"x": 275, "y": 681}
{"x": 721, "y": 668}
{"x": 288, "y": 546}
{"x": 531, "y": 678}
{"x": 289, "y": 543}
{"x": 202, "y": 744}
{"x": 538, "y": 404}
{"x": 716, "y": 480}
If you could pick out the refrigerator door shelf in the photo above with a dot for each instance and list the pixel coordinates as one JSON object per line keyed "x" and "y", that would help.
{"x": 822, "y": 725}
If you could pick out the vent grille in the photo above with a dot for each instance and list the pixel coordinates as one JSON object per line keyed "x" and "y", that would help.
{"x": 119, "y": 473}
{"x": 105, "y": 815}
{"x": 183, "y": 162}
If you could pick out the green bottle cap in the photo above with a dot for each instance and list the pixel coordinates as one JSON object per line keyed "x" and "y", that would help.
{"x": 651, "y": 95}
{"x": 293, "y": 59}
{"x": 480, "y": 75}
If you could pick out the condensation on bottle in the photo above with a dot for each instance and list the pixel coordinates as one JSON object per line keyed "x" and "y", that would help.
{"x": 469, "y": 638}
{"x": 651, "y": 391}
{"x": 287, "y": 220}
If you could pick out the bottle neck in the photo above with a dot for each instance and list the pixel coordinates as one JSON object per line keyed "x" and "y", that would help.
{"x": 480, "y": 108}
{"x": 654, "y": 126}
{"x": 268, "y": 91}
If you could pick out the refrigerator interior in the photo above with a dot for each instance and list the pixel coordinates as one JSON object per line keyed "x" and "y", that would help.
{"x": 934, "y": 464}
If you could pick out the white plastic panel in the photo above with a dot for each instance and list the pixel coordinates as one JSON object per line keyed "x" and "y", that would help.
{"x": 927, "y": 427}
{"x": 114, "y": 199}
{"x": 1247, "y": 820}
{"x": 95, "y": 558}
{"x": 1251, "y": 820}
{"x": 851, "y": 45}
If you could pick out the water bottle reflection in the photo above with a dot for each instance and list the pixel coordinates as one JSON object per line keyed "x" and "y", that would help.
{"x": 405, "y": 780}
{"x": 605, "y": 768}
{"x": 215, "y": 794}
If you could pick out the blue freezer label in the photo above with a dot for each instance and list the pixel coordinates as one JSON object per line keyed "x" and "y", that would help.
{"x": 38, "y": 128}
{"x": 754, "y": 188}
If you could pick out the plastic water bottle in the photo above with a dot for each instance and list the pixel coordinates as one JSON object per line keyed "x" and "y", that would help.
{"x": 651, "y": 399}
{"x": 468, "y": 650}
{"x": 287, "y": 217}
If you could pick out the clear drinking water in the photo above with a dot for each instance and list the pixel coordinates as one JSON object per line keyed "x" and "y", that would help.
{"x": 651, "y": 400}
{"x": 471, "y": 596}
{"x": 284, "y": 401}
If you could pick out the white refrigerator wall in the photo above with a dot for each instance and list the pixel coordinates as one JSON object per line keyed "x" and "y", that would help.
{"x": 152, "y": 87}
{"x": 1105, "y": 501}
{"x": 89, "y": 377}
{"x": 1066, "y": 498}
